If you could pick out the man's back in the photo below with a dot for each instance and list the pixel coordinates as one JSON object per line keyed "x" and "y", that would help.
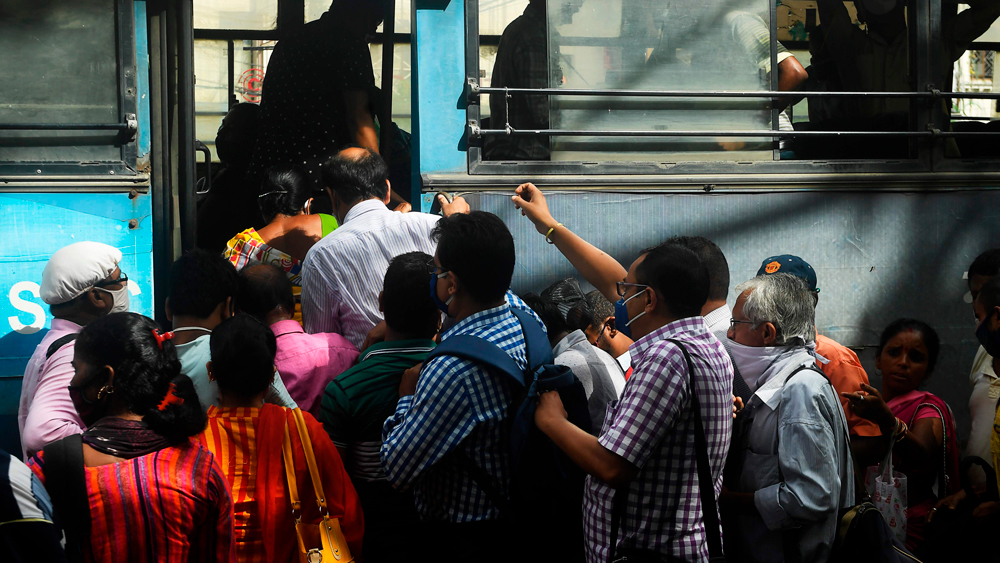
{"x": 307, "y": 362}
{"x": 652, "y": 427}
{"x": 342, "y": 274}
{"x": 46, "y": 412}
{"x": 846, "y": 375}
{"x": 576, "y": 352}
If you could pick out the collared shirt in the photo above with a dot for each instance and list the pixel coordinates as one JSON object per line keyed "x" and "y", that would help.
{"x": 457, "y": 405}
{"x": 796, "y": 460}
{"x": 46, "y": 412}
{"x": 982, "y": 404}
{"x": 194, "y": 357}
{"x": 652, "y": 426}
{"x": 307, "y": 362}
{"x": 846, "y": 375}
{"x": 576, "y": 352}
{"x": 718, "y": 321}
{"x": 342, "y": 274}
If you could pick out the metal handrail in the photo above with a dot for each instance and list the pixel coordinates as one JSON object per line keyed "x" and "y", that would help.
{"x": 65, "y": 126}
{"x": 476, "y": 131}
{"x": 475, "y": 89}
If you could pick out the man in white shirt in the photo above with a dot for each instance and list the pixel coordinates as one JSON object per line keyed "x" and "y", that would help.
{"x": 342, "y": 274}
{"x": 984, "y": 381}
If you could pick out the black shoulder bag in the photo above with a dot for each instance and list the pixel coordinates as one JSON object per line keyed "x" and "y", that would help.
{"x": 706, "y": 489}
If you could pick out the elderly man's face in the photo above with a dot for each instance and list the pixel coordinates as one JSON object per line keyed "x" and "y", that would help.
{"x": 741, "y": 330}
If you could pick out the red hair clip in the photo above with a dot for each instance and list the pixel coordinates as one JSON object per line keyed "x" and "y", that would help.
{"x": 171, "y": 397}
{"x": 161, "y": 337}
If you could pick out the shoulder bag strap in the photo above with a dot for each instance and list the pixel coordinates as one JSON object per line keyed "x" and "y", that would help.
{"x": 293, "y": 487}
{"x": 307, "y": 449}
{"x": 66, "y": 481}
{"x": 944, "y": 443}
{"x": 58, "y": 343}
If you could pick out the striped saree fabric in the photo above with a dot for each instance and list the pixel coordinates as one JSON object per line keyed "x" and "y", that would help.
{"x": 169, "y": 506}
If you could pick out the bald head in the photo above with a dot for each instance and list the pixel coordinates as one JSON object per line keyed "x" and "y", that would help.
{"x": 356, "y": 174}
{"x": 265, "y": 293}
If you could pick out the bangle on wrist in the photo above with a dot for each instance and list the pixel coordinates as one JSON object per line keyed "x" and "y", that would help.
{"x": 548, "y": 235}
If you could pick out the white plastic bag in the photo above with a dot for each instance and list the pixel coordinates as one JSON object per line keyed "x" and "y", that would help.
{"x": 888, "y": 491}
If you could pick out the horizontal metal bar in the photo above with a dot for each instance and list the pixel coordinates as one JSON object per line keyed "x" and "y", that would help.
{"x": 668, "y": 133}
{"x": 730, "y": 94}
{"x": 65, "y": 126}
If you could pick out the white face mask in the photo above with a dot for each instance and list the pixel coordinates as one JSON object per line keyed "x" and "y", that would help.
{"x": 119, "y": 297}
{"x": 753, "y": 362}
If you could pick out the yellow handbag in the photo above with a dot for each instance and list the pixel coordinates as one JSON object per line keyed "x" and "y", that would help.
{"x": 318, "y": 543}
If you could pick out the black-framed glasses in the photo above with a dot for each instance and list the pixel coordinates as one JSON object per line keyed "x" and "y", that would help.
{"x": 734, "y": 322}
{"x": 621, "y": 287}
{"x": 433, "y": 268}
{"x": 123, "y": 279}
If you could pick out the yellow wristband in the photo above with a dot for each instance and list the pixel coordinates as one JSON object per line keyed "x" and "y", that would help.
{"x": 549, "y": 234}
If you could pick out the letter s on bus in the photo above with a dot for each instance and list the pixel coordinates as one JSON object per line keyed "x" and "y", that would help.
{"x": 27, "y": 307}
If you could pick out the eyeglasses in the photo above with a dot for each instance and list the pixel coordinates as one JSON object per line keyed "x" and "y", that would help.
{"x": 734, "y": 322}
{"x": 432, "y": 268}
{"x": 621, "y": 287}
{"x": 122, "y": 280}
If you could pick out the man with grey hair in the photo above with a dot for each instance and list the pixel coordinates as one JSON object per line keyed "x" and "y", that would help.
{"x": 795, "y": 474}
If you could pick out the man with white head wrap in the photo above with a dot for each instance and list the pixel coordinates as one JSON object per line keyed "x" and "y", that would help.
{"x": 81, "y": 282}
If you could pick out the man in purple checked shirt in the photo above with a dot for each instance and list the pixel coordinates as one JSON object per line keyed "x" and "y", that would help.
{"x": 646, "y": 446}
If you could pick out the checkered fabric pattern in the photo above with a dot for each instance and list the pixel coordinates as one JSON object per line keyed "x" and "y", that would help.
{"x": 457, "y": 404}
{"x": 652, "y": 426}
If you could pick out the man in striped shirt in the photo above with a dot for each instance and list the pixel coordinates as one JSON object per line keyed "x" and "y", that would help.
{"x": 358, "y": 402}
{"x": 342, "y": 274}
{"x": 456, "y": 416}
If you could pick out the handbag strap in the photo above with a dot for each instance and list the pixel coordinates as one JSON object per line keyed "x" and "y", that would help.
{"x": 293, "y": 487}
{"x": 945, "y": 478}
{"x": 706, "y": 484}
{"x": 307, "y": 449}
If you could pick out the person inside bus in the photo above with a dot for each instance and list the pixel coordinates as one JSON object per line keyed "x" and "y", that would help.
{"x": 149, "y": 491}
{"x": 285, "y": 201}
{"x": 231, "y": 205}
{"x": 318, "y": 93}
{"x": 458, "y": 405}
{"x": 358, "y": 402}
{"x": 784, "y": 503}
{"x": 81, "y": 282}
{"x": 603, "y": 335}
{"x": 840, "y": 364}
{"x": 305, "y": 362}
{"x": 342, "y": 273}
{"x": 202, "y": 294}
{"x": 917, "y": 424}
{"x": 247, "y": 436}
{"x": 522, "y": 62}
{"x": 642, "y": 451}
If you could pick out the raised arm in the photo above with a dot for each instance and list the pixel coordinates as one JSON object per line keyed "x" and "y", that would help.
{"x": 362, "y": 126}
{"x": 596, "y": 266}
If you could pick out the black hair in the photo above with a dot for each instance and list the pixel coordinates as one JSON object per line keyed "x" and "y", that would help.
{"x": 199, "y": 281}
{"x": 479, "y": 249}
{"x": 600, "y": 307}
{"x": 548, "y": 312}
{"x": 989, "y": 294}
{"x": 285, "y": 190}
{"x": 714, "y": 260}
{"x": 406, "y": 299}
{"x": 986, "y": 264}
{"x": 237, "y": 134}
{"x": 143, "y": 373}
{"x": 262, "y": 289}
{"x": 571, "y": 303}
{"x": 243, "y": 350}
{"x": 930, "y": 336}
{"x": 678, "y": 275}
{"x": 356, "y": 179}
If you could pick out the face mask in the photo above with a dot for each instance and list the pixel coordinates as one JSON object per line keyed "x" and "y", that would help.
{"x": 120, "y": 298}
{"x": 989, "y": 340}
{"x": 753, "y": 362}
{"x": 622, "y": 321}
{"x": 89, "y": 411}
{"x": 443, "y": 305}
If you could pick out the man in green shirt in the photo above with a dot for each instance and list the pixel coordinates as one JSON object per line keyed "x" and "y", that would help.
{"x": 356, "y": 404}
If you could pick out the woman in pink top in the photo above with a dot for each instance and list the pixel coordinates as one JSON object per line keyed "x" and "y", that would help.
{"x": 922, "y": 423}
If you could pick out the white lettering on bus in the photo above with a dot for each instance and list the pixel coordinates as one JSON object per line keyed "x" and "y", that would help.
{"x": 27, "y": 307}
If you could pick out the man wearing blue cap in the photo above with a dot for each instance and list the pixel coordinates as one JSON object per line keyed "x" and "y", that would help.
{"x": 842, "y": 366}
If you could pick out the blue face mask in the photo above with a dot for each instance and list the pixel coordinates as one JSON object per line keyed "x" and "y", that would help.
{"x": 443, "y": 305}
{"x": 622, "y": 321}
{"x": 989, "y": 340}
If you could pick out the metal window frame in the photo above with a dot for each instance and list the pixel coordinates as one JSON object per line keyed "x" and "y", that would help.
{"x": 122, "y": 169}
{"x": 928, "y": 149}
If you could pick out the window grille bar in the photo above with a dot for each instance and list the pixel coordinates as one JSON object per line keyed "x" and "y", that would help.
{"x": 477, "y": 90}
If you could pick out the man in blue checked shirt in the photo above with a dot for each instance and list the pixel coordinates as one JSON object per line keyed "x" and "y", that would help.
{"x": 457, "y": 413}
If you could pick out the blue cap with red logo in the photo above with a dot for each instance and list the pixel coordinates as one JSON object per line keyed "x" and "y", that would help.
{"x": 789, "y": 264}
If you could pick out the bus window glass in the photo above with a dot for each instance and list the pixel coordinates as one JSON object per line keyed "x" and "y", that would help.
{"x": 59, "y": 66}
{"x": 975, "y": 72}
{"x": 400, "y": 81}
{"x": 495, "y": 15}
{"x": 235, "y": 14}
{"x": 314, "y": 10}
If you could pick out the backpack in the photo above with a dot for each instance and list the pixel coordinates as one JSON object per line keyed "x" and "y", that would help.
{"x": 546, "y": 487}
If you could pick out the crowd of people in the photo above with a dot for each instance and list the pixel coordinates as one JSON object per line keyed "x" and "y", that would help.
{"x": 400, "y": 400}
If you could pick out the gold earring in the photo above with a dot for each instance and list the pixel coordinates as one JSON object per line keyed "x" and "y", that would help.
{"x": 106, "y": 390}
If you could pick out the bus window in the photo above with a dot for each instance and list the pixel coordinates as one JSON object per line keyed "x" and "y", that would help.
{"x": 975, "y": 72}
{"x": 60, "y": 66}
{"x": 315, "y": 8}
{"x": 235, "y": 14}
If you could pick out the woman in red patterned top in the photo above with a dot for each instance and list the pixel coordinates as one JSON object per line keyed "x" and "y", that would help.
{"x": 153, "y": 493}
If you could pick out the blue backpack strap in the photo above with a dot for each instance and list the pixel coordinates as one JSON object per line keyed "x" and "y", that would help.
{"x": 536, "y": 342}
{"x": 480, "y": 351}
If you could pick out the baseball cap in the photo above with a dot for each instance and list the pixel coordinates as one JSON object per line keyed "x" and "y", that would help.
{"x": 789, "y": 264}
{"x": 76, "y": 268}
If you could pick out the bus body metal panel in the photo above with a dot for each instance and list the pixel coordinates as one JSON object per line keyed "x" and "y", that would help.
{"x": 35, "y": 225}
